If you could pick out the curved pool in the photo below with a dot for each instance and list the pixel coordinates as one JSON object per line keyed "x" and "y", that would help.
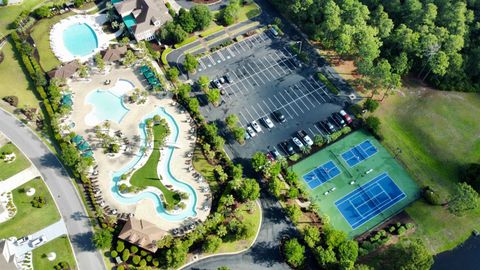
{"x": 165, "y": 172}
{"x": 80, "y": 39}
{"x": 108, "y": 104}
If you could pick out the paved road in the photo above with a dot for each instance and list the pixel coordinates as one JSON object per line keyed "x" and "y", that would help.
{"x": 62, "y": 188}
{"x": 265, "y": 253}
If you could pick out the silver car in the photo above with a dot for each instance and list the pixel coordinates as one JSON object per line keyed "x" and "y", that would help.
{"x": 251, "y": 132}
{"x": 297, "y": 142}
{"x": 256, "y": 126}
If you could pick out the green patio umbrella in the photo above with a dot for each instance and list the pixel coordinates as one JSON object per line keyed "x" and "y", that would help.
{"x": 148, "y": 74}
{"x": 144, "y": 69}
{"x": 77, "y": 139}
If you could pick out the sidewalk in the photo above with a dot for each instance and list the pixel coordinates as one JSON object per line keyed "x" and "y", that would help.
{"x": 19, "y": 179}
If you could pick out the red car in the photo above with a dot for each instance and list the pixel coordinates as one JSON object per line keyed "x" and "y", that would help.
{"x": 345, "y": 116}
{"x": 270, "y": 157}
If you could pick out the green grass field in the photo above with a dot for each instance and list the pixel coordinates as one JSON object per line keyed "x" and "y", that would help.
{"x": 9, "y": 13}
{"x": 437, "y": 133}
{"x": 147, "y": 175}
{"x": 28, "y": 218}
{"x": 380, "y": 162}
{"x": 19, "y": 164}
{"x": 18, "y": 83}
{"x": 41, "y": 34}
{"x": 62, "y": 249}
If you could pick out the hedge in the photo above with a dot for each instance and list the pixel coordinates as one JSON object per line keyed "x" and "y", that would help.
{"x": 185, "y": 42}
{"x": 328, "y": 83}
{"x": 211, "y": 31}
{"x": 164, "y": 55}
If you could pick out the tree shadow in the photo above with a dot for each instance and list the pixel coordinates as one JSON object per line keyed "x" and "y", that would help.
{"x": 84, "y": 241}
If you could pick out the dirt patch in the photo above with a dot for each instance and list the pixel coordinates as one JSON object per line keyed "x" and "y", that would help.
{"x": 1, "y": 57}
{"x": 206, "y": 2}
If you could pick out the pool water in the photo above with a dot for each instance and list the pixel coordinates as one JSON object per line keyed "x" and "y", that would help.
{"x": 165, "y": 172}
{"x": 80, "y": 39}
{"x": 108, "y": 104}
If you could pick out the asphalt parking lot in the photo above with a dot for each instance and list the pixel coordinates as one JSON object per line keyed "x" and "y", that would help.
{"x": 266, "y": 76}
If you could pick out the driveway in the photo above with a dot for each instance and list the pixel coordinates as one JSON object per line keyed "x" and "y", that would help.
{"x": 62, "y": 188}
{"x": 265, "y": 253}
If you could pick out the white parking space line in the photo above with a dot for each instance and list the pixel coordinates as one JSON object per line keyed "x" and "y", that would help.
{"x": 316, "y": 89}
{"x": 301, "y": 99}
{"x": 268, "y": 107}
{"x": 319, "y": 130}
{"x": 279, "y": 106}
{"x": 236, "y": 48}
{"x": 253, "y": 118}
{"x": 258, "y": 115}
{"x": 221, "y": 55}
{"x": 230, "y": 51}
{"x": 202, "y": 65}
{"x": 211, "y": 59}
{"x": 322, "y": 87}
{"x": 239, "y": 81}
{"x": 288, "y": 104}
{"x": 294, "y": 98}
{"x": 300, "y": 91}
{"x": 244, "y": 118}
{"x": 261, "y": 109}
{"x": 272, "y": 67}
{"x": 243, "y": 48}
{"x": 265, "y": 68}
{"x": 313, "y": 94}
{"x": 255, "y": 73}
{"x": 277, "y": 64}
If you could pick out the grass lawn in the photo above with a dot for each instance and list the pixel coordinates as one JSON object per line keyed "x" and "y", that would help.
{"x": 202, "y": 166}
{"x": 40, "y": 34}
{"x": 28, "y": 218}
{"x": 147, "y": 175}
{"x": 247, "y": 12}
{"x": 379, "y": 163}
{"x": 18, "y": 83}
{"x": 61, "y": 247}
{"x": 19, "y": 164}
{"x": 253, "y": 219}
{"x": 437, "y": 133}
{"x": 9, "y": 13}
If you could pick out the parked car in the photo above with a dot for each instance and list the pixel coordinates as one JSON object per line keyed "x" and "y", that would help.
{"x": 297, "y": 142}
{"x": 247, "y": 136}
{"x": 228, "y": 79}
{"x": 278, "y": 115}
{"x": 304, "y": 136}
{"x": 274, "y": 32}
{"x": 288, "y": 148}
{"x": 276, "y": 154}
{"x": 328, "y": 127}
{"x": 251, "y": 132}
{"x": 24, "y": 239}
{"x": 222, "y": 80}
{"x": 270, "y": 157}
{"x": 256, "y": 126}
{"x": 345, "y": 116}
{"x": 339, "y": 119}
{"x": 334, "y": 122}
{"x": 216, "y": 84}
{"x": 268, "y": 123}
{"x": 37, "y": 242}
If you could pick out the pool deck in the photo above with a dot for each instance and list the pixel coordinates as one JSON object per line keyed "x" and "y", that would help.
{"x": 107, "y": 165}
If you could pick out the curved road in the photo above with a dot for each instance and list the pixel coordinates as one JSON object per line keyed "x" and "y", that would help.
{"x": 265, "y": 253}
{"x": 62, "y": 188}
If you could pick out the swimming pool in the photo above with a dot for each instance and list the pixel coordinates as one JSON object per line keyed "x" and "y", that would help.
{"x": 165, "y": 172}
{"x": 80, "y": 39}
{"x": 108, "y": 104}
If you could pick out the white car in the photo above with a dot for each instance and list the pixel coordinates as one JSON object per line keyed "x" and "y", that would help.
{"x": 37, "y": 242}
{"x": 304, "y": 136}
{"x": 297, "y": 142}
{"x": 268, "y": 122}
{"x": 251, "y": 132}
{"x": 256, "y": 126}
{"x": 22, "y": 240}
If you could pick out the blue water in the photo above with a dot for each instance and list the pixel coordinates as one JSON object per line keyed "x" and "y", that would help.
{"x": 165, "y": 172}
{"x": 107, "y": 106}
{"x": 80, "y": 39}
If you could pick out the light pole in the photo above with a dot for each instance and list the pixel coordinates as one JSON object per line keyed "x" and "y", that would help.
{"x": 300, "y": 47}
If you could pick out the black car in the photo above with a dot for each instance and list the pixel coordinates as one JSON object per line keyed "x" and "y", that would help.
{"x": 278, "y": 115}
{"x": 227, "y": 78}
{"x": 327, "y": 126}
{"x": 288, "y": 148}
{"x": 333, "y": 122}
{"x": 339, "y": 119}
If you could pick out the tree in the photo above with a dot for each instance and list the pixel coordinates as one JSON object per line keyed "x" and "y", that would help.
{"x": 203, "y": 83}
{"x": 83, "y": 71}
{"x": 230, "y": 13}
{"x": 202, "y": 15}
{"x": 325, "y": 256}
{"x": 43, "y": 12}
{"x": 333, "y": 238}
{"x": 259, "y": 160}
{"x": 239, "y": 134}
{"x": 250, "y": 190}
{"x": 176, "y": 256}
{"x": 373, "y": 124}
{"x": 311, "y": 236}
{"x": 185, "y": 19}
{"x": 194, "y": 105}
{"x": 318, "y": 140}
{"x": 347, "y": 253}
{"x": 190, "y": 63}
{"x": 99, "y": 61}
{"x": 370, "y": 105}
{"x": 102, "y": 239}
{"x": 129, "y": 58}
{"x": 464, "y": 199}
{"x": 231, "y": 120}
{"x": 213, "y": 96}
{"x": 172, "y": 74}
{"x": 294, "y": 252}
{"x": 408, "y": 254}
{"x": 172, "y": 33}
{"x": 275, "y": 187}
{"x": 294, "y": 212}
{"x": 470, "y": 174}
{"x": 221, "y": 231}
{"x": 211, "y": 244}
{"x": 70, "y": 154}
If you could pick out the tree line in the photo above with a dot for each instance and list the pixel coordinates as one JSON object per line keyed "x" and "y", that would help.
{"x": 437, "y": 41}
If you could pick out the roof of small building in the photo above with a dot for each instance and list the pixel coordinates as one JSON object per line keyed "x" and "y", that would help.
{"x": 142, "y": 233}
{"x": 65, "y": 71}
{"x": 114, "y": 53}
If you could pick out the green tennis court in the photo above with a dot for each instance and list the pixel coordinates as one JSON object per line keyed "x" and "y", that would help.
{"x": 350, "y": 181}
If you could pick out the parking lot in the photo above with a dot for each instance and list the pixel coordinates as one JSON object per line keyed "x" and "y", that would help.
{"x": 266, "y": 76}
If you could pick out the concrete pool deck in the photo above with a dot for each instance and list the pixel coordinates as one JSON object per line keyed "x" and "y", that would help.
{"x": 145, "y": 209}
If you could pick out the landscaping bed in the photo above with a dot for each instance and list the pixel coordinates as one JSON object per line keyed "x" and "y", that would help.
{"x": 9, "y": 169}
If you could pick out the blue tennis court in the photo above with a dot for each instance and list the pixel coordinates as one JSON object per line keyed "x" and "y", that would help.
{"x": 359, "y": 153}
{"x": 369, "y": 200}
{"x": 321, "y": 174}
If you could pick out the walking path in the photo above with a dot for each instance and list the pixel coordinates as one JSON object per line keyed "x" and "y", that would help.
{"x": 62, "y": 188}
{"x": 18, "y": 179}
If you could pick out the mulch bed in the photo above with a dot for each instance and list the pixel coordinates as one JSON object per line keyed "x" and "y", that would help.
{"x": 206, "y": 1}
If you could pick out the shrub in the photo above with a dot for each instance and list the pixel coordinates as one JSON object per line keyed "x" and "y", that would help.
{"x": 113, "y": 253}
{"x": 143, "y": 253}
{"x": 120, "y": 267}
{"x": 125, "y": 255}
{"x": 373, "y": 124}
{"x": 134, "y": 249}
{"x": 391, "y": 229}
{"x": 120, "y": 246}
{"x": 401, "y": 230}
{"x": 12, "y": 100}
{"x": 431, "y": 196}
{"x": 38, "y": 201}
{"x": 370, "y": 105}
{"x": 136, "y": 259}
{"x": 409, "y": 226}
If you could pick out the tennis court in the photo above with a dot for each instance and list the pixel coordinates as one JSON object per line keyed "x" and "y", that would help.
{"x": 321, "y": 174}
{"x": 369, "y": 200}
{"x": 356, "y": 196}
{"x": 359, "y": 153}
